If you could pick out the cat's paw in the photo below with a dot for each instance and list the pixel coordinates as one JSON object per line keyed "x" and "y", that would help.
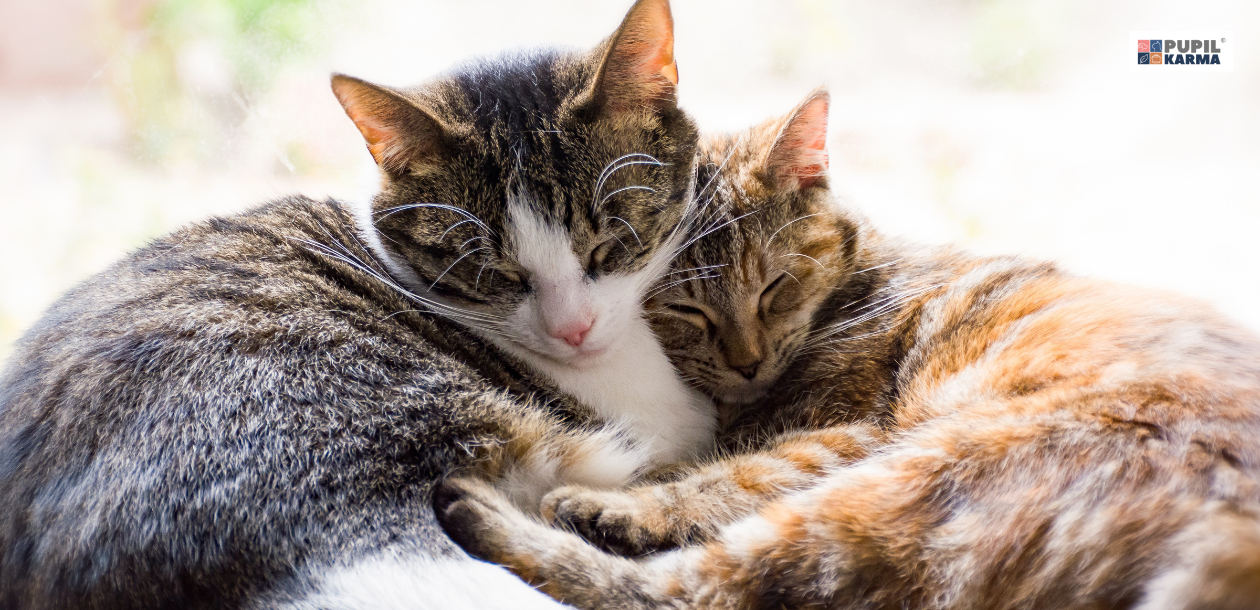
{"x": 476, "y": 516}
{"x": 621, "y": 522}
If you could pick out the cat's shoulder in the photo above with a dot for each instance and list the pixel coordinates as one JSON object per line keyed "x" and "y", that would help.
{"x": 291, "y": 266}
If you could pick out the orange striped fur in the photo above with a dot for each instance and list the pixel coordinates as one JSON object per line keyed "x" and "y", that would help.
{"x": 943, "y": 431}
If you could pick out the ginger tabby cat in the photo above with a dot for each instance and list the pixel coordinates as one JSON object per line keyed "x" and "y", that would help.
{"x": 954, "y": 431}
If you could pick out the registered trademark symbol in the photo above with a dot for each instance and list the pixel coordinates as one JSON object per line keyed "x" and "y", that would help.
{"x": 1222, "y": 40}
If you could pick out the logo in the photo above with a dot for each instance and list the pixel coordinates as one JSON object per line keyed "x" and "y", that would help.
{"x": 1203, "y": 51}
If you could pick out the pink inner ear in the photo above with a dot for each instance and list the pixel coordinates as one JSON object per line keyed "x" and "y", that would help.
{"x": 656, "y": 56}
{"x": 373, "y": 122}
{"x": 382, "y": 141}
{"x": 641, "y": 67}
{"x": 810, "y": 125}
{"x": 800, "y": 154}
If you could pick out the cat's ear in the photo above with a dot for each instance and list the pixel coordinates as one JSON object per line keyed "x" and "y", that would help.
{"x": 398, "y": 133}
{"x": 638, "y": 68}
{"x": 798, "y": 157}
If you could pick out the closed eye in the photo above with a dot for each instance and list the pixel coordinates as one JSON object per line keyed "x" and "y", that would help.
{"x": 767, "y": 295}
{"x": 599, "y": 255}
{"x": 694, "y": 315}
{"x": 493, "y": 281}
{"x": 510, "y": 276}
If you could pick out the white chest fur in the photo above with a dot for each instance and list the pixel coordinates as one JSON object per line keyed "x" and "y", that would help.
{"x": 635, "y": 386}
{"x": 632, "y": 383}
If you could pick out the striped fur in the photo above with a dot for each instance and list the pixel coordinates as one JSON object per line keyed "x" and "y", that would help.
{"x": 956, "y": 432}
{"x": 254, "y": 410}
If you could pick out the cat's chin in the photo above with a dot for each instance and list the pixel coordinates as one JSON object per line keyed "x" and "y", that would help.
{"x": 576, "y": 359}
{"x": 742, "y": 395}
{"x": 585, "y": 359}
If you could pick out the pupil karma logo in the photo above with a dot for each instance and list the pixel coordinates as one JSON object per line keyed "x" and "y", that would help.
{"x": 1202, "y": 50}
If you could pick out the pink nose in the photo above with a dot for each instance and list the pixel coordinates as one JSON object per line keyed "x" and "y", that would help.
{"x": 574, "y": 333}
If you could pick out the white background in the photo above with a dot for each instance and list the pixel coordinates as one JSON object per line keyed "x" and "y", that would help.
{"x": 1006, "y": 125}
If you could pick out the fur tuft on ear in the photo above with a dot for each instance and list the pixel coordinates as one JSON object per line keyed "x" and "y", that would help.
{"x": 799, "y": 154}
{"x": 397, "y": 132}
{"x": 638, "y": 68}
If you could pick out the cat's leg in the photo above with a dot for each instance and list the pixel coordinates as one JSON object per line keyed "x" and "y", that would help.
{"x": 558, "y": 562}
{"x": 536, "y": 454}
{"x": 1017, "y": 513}
{"x": 798, "y": 551}
{"x": 691, "y": 509}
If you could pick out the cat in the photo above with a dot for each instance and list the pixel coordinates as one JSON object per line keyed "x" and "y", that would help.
{"x": 956, "y": 431}
{"x": 253, "y": 410}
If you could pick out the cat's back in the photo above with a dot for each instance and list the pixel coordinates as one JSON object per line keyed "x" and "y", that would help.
{"x": 238, "y": 365}
{"x": 251, "y": 288}
{"x": 1011, "y": 335}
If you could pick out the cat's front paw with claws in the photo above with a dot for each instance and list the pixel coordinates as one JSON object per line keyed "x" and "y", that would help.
{"x": 630, "y": 523}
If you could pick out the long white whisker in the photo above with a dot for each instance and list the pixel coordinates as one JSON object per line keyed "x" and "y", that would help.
{"x": 675, "y": 243}
{"x": 623, "y": 244}
{"x": 622, "y": 190}
{"x": 613, "y": 167}
{"x": 434, "y": 307}
{"x": 738, "y": 144}
{"x": 608, "y": 169}
{"x": 451, "y": 228}
{"x": 830, "y": 344}
{"x": 880, "y": 307}
{"x": 673, "y": 283}
{"x": 820, "y": 265}
{"x": 718, "y": 228}
{"x": 877, "y": 266}
{"x": 875, "y": 309}
{"x": 697, "y": 269}
{"x": 345, "y": 256}
{"x": 439, "y": 206}
{"x": 477, "y": 283}
{"x": 772, "y": 235}
{"x": 632, "y": 231}
{"x": 886, "y": 292}
{"x": 599, "y": 186}
{"x": 378, "y": 267}
{"x": 472, "y": 239}
{"x": 452, "y": 265}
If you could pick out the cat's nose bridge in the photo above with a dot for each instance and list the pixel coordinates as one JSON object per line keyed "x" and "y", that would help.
{"x": 567, "y": 312}
{"x": 742, "y": 346}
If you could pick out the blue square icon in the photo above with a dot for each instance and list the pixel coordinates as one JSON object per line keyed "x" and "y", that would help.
{"x": 1144, "y": 58}
{"x": 1156, "y": 46}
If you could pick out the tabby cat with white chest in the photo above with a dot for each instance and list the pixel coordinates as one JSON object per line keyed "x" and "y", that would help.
{"x": 234, "y": 413}
{"x": 954, "y": 431}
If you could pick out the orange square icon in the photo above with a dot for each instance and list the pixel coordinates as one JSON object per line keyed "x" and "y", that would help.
{"x": 1157, "y": 58}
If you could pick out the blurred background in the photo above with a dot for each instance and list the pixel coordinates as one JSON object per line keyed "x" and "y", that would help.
{"x": 1010, "y": 126}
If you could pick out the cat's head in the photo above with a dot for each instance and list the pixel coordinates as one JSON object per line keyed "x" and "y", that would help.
{"x": 773, "y": 245}
{"x": 535, "y": 197}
